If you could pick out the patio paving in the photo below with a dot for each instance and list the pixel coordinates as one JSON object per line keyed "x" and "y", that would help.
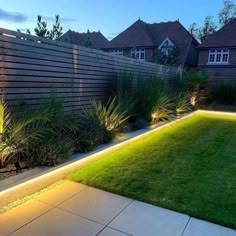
{"x": 75, "y": 209}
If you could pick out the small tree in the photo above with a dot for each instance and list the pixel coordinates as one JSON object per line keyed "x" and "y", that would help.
{"x": 193, "y": 30}
{"x": 88, "y": 42}
{"x": 227, "y": 13}
{"x": 56, "y": 31}
{"x": 205, "y": 31}
{"x": 208, "y": 29}
{"x": 41, "y": 29}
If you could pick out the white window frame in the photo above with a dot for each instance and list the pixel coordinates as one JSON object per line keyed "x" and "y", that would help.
{"x": 217, "y": 56}
{"x": 138, "y": 54}
{"x": 117, "y": 52}
{"x": 165, "y": 50}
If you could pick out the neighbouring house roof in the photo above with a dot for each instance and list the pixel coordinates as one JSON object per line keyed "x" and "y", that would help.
{"x": 225, "y": 37}
{"x": 98, "y": 40}
{"x": 137, "y": 35}
{"x": 142, "y": 34}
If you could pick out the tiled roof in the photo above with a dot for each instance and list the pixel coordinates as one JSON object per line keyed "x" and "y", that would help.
{"x": 142, "y": 34}
{"x": 137, "y": 35}
{"x": 98, "y": 40}
{"x": 225, "y": 37}
{"x": 176, "y": 32}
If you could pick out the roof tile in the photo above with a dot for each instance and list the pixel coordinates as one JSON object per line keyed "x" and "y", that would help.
{"x": 98, "y": 40}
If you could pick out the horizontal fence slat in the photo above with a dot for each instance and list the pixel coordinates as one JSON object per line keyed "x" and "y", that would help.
{"x": 33, "y": 69}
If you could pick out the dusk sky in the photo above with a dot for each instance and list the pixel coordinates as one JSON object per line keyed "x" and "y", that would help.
{"x": 109, "y": 16}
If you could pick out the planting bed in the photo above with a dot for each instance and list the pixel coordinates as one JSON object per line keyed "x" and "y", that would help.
{"x": 189, "y": 167}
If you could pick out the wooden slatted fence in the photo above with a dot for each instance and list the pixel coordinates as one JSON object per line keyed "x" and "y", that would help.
{"x": 33, "y": 68}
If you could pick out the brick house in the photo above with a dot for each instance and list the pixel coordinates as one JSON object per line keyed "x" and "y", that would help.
{"x": 97, "y": 39}
{"x": 143, "y": 41}
{"x": 217, "y": 54}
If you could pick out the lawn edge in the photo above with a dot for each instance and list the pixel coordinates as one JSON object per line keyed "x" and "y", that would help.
{"x": 45, "y": 178}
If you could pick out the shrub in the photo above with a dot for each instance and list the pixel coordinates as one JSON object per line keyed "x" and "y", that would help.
{"x": 195, "y": 78}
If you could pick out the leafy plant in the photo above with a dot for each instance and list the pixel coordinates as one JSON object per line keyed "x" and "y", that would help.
{"x": 16, "y": 134}
{"x": 56, "y": 143}
{"x": 195, "y": 78}
{"x": 53, "y": 151}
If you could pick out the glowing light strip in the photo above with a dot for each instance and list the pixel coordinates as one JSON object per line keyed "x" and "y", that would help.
{"x": 217, "y": 112}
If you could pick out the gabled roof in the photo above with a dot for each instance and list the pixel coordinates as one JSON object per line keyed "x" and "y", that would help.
{"x": 141, "y": 34}
{"x": 137, "y": 35}
{"x": 176, "y": 32}
{"x": 225, "y": 37}
{"x": 98, "y": 40}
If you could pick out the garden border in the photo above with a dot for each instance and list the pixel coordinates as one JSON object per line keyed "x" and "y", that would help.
{"x": 36, "y": 182}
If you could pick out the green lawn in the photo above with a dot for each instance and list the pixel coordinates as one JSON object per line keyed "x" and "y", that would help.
{"x": 189, "y": 167}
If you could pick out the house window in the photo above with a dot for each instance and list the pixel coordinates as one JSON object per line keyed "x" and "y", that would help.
{"x": 138, "y": 53}
{"x": 117, "y": 52}
{"x": 218, "y": 56}
{"x": 166, "y": 47}
{"x": 165, "y": 51}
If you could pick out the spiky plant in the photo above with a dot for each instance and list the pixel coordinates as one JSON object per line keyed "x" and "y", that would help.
{"x": 163, "y": 109}
{"x": 109, "y": 115}
{"x": 182, "y": 103}
{"x": 99, "y": 124}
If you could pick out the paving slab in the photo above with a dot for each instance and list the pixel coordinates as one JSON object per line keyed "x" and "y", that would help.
{"x": 197, "y": 227}
{"x": 96, "y": 205}
{"x": 21, "y": 215}
{"x": 61, "y": 193}
{"x": 58, "y": 222}
{"x": 141, "y": 219}
{"x": 111, "y": 232}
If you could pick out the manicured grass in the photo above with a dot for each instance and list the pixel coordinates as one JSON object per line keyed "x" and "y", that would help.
{"x": 189, "y": 167}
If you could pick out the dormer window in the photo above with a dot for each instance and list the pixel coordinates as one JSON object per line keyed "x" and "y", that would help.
{"x": 166, "y": 47}
{"x": 218, "y": 56}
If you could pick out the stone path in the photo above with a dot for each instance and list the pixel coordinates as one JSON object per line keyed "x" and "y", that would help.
{"x": 75, "y": 209}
